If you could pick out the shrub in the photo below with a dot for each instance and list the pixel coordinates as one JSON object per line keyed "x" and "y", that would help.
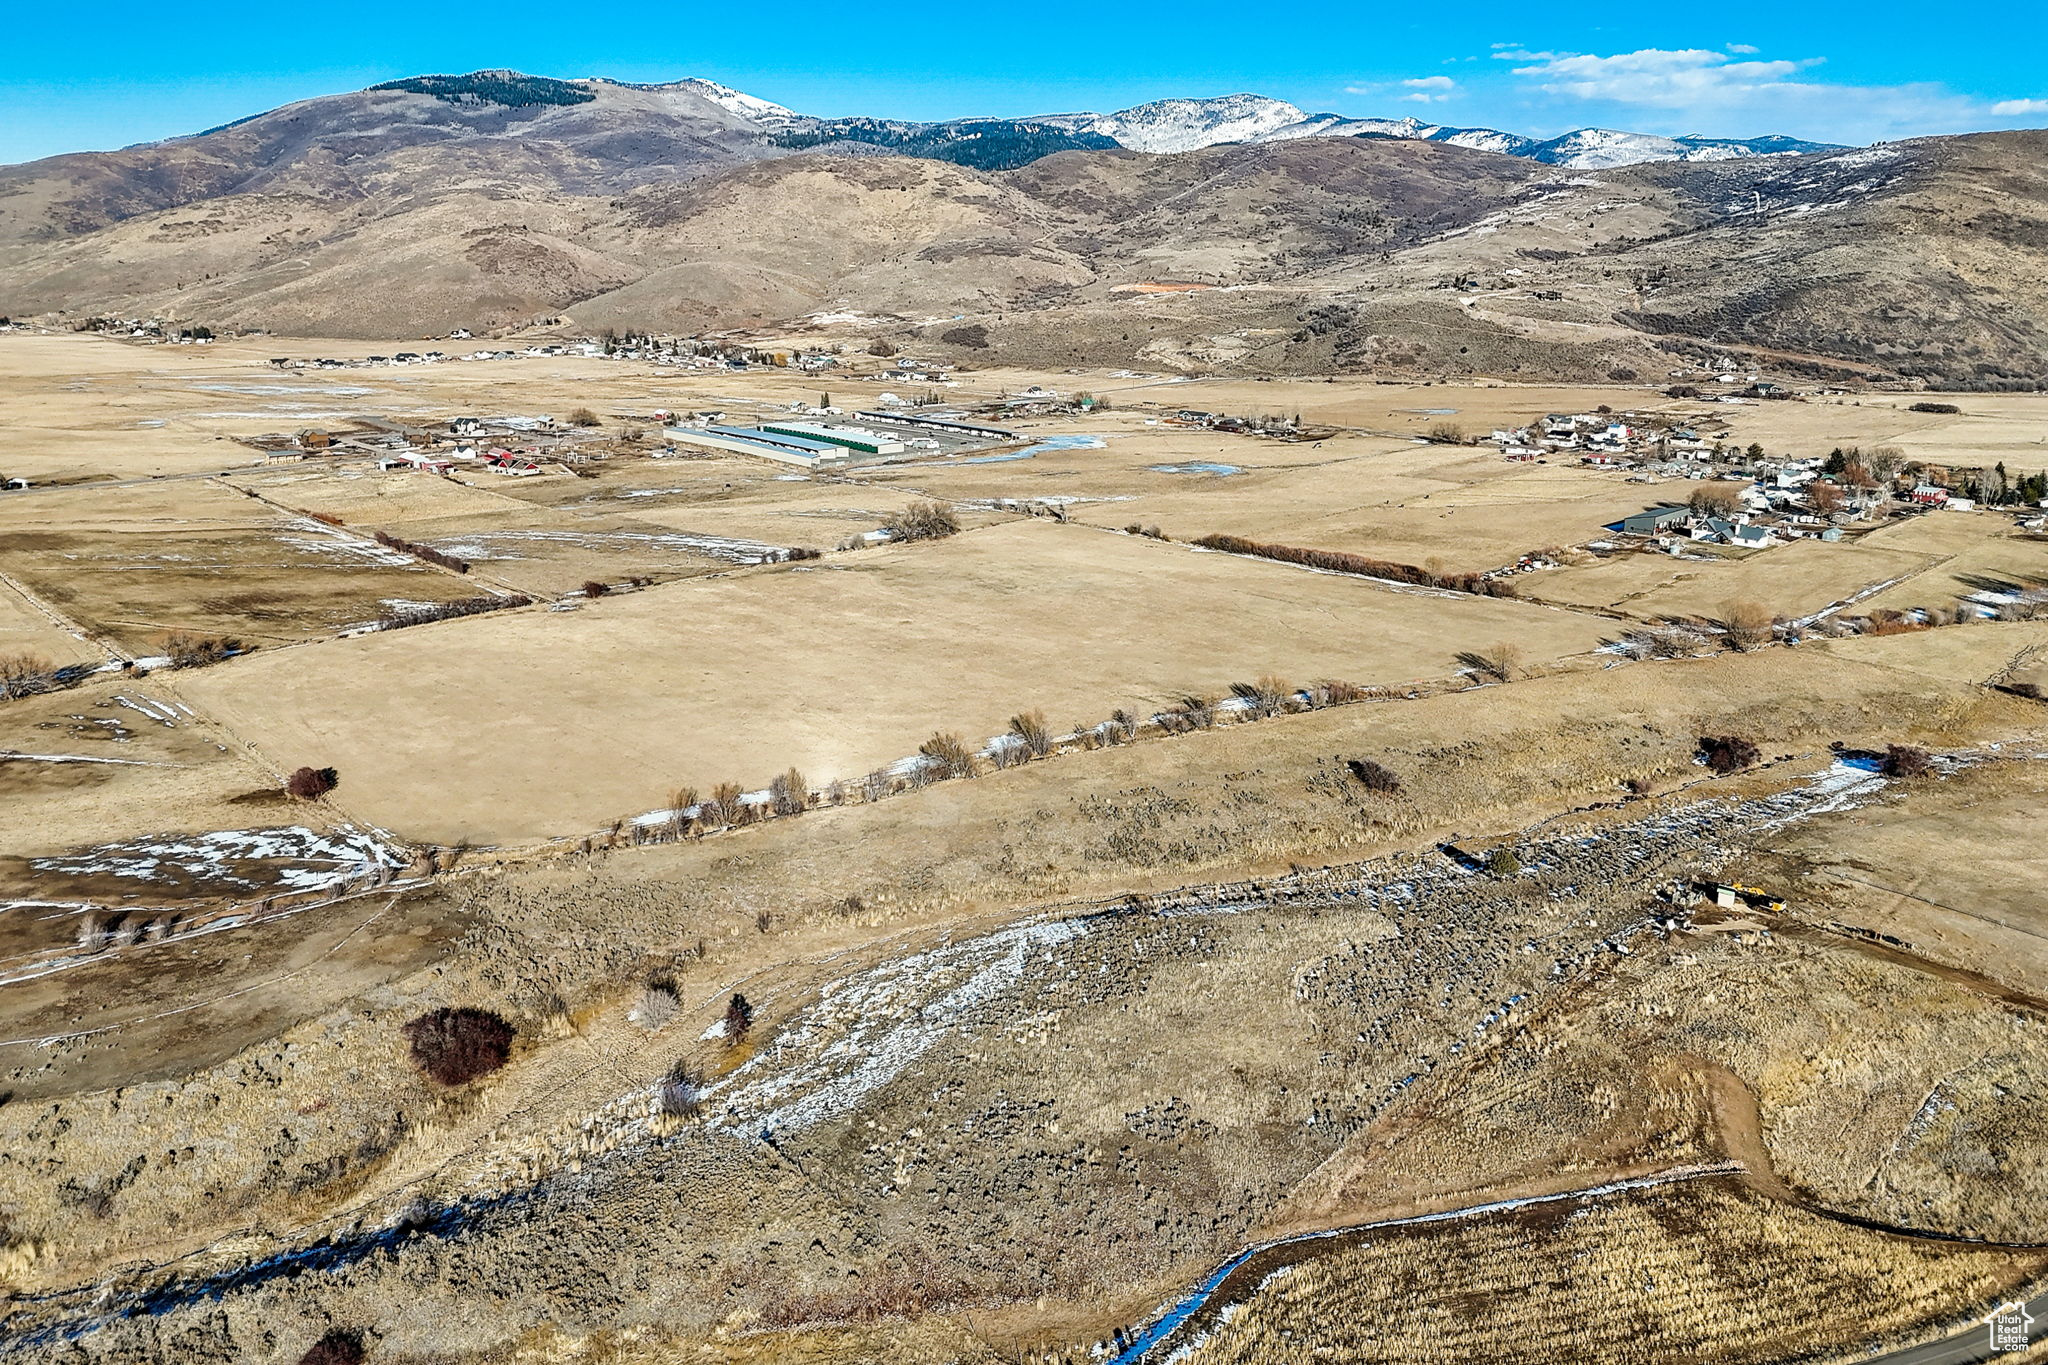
{"x": 1671, "y": 640}
{"x": 973, "y": 335}
{"x": 1503, "y": 662}
{"x": 1621, "y": 374}
{"x": 583, "y": 417}
{"x": 1905, "y": 760}
{"x": 26, "y": 675}
{"x": 310, "y": 784}
{"x": 1503, "y": 862}
{"x": 1032, "y": 733}
{"x": 657, "y": 1006}
{"x": 680, "y": 1092}
{"x": 187, "y": 650}
{"x": 1189, "y": 713}
{"x": 1726, "y": 754}
{"x": 340, "y": 1346}
{"x": 1120, "y": 728}
{"x": 1265, "y": 698}
{"x": 1944, "y": 408}
{"x": 790, "y": 793}
{"x": 1682, "y": 391}
{"x": 1748, "y": 623}
{"x": 947, "y": 755}
{"x": 881, "y": 346}
{"x": 1447, "y": 434}
{"x": 739, "y": 1018}
{"x": 456, "y": 1046}
{"x": 1338, "y": 692}
{"x": 1374, "y": 777}
{"x": 594, "y": 588}
{"x": 922, "y": 521}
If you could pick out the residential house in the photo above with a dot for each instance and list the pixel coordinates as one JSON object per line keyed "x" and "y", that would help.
{"x": 1650, "y": 521}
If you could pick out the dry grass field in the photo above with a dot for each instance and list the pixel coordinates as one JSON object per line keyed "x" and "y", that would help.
{"x": 1972, "y": 552}
{"x": 1460, "y": 508}
{"x": 1976, "y": 906}
{"x": 838, "y": 668}
{"x": 133, "y": 565}
{"x": 1791, "y": 580}
{"x": 1022, "y": 1057}
{"x": 1645, "y": 1276}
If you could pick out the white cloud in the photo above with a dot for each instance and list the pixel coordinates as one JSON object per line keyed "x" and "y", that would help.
{"x": 1736, "y": 93}
{"x": 1661, "y": 78}
{"x": 1414, "y": 90}
{"x": 1428, "y": 89}
{"x": 2015, "y": 108}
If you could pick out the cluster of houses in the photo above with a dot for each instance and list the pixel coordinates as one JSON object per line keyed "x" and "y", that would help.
{"x": 1605, "y": 440}
{"x": 150, "y": 331}
{"x": 513, "y": 447}
{"x": 284, "y": 362}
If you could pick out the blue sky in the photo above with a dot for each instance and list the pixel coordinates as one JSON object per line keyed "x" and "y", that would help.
{"x": 108, "y": 74}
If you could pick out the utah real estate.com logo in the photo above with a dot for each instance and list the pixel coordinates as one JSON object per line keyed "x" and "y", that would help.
{"x": 2010, "y": 1326}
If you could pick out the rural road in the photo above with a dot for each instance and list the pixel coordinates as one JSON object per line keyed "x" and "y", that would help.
{"x": 1150, "y": 1343}
{"x": 1969, "y": 1347}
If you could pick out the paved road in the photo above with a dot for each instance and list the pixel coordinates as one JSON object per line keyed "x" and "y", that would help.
{"x": 1967, "y": 1348}
{"x": 1156, "y": 1340}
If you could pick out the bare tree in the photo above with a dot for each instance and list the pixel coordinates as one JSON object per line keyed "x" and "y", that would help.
{"x": 922, "y": 520}
{"x": 790, "y": 794}
{"x": 725, "y": 806}
{"x": 1716, "y": 499}
{"x": 25, "y": 675}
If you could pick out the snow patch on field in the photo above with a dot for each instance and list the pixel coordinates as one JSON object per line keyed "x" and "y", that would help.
{"x": 484, "y": 546}
{"x": 284, "y": 858}
{"x": 868, "y": 1029}
{"x": 286, "y": 390}
{"x": 320, "y": 539}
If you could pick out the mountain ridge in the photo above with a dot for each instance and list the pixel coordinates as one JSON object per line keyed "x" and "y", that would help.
{"x": 676, "y": 207}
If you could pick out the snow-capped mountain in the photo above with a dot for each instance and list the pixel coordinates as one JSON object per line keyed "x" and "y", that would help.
{"x": 1186, "y": 125}
{"x": 1600, "y": 148}
{"x": 1183, "y": 125}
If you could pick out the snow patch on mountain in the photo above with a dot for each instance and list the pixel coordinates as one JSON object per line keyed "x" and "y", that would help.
{"x": 1183, "y": 125}
{"x": 750, "y": 107}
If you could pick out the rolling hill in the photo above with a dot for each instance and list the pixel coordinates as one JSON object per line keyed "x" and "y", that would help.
{"x": 487, "y": 200}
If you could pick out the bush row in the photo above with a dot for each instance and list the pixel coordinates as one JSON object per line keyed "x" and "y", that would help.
{"x": 420, "y": 613}
{"x": 1342, "y": 561}
{"x": 419, "y": 551}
